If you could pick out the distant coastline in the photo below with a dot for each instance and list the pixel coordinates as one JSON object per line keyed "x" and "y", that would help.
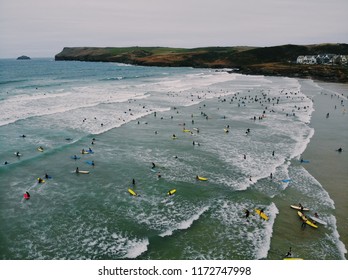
{"x": 268, "y": 61}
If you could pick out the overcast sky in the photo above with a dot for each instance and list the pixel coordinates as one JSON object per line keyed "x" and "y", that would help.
{"x": 41, "y": 28}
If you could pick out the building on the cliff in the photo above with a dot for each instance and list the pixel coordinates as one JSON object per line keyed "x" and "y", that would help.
{"x": 328, "y": 59}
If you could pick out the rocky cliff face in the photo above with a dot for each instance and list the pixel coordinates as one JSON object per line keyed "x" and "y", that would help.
{"x": 275, "y": 61}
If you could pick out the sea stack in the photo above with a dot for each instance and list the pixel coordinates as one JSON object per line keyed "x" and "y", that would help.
{"x": 23, "y": 57}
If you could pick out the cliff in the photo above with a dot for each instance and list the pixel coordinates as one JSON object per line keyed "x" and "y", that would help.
{"x": 275, "y": 61}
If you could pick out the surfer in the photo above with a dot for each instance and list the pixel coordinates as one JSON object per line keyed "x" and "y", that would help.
{"x": 40, "y": 180}
{"x": 247, "y": 213}
{"x": 288, "y": 254}
{"x": 26, "y": 195}
{"x": 339, "y": 150}
{"x": 316, "y": 215}
{"x": 46, "y": 176}
{"x": 273, "y": 153}
{"x": 244, "y": 156}
{"x": 271, "y": 176}
{"x": 18, "y": 154}
{"x": 153, "y": 165}
{"x": 75, "y": 157}
{"x": 90, "y": 150}
{"x": 83, "y": 151}
{"x": 301, "y": 206}
{"x": 133, "y": 182}
{"x": 23, "y": 136}
{"x": 77, "y": 170}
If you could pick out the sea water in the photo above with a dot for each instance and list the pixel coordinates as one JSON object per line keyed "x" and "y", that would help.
{"x": 127, "y": 115}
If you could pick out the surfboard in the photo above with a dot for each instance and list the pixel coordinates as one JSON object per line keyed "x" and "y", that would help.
{"x": 202, "y": 178}
{"x": 90, "y": 162}
{"x": 292, "y": 259}
{"x": 80, "y": 172}
{"x": 304, "y": 161}
{"x": 42, "y": 181}
{"x": 286, "y": 180}
{"x": 186, "y": 130}
{"x": 261, "y": 214}
{"x": 304, "y": 218}
{"x": 296, "y": 207}
{"x": 226, "y": 130}
{"x": 84, "y": 152}
{"x": 318, "y": 220}
{"x": 40, "y": 149}
{"x": 174, "y": 137}
{"x": 153, "y": 170}
{"x": 132, "y": 192}
{"x": 171, "y": 192}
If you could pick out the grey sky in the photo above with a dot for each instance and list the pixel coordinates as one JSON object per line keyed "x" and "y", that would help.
{"x": 41, "y": 28}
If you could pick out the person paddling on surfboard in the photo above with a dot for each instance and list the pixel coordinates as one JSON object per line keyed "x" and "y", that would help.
{"x": 153, "y": 165}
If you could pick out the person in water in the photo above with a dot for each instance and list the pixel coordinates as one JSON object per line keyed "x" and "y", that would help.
{"x": 289, "y": 254}
{"x": 247, "y": 213}
{"x": 17, "y": 154}
{"x": 40, "y": 180}
{"x": 339, "y": 150}
{"x": 153, "y": 165}
{"x": 77, "y": 170}
{"x": 300, "y": 205}
{"x": 75, "y": 157}
{"x": 133, "y": 182}
{"x": 26, "y": 195}
{"x": 46, "y": 176}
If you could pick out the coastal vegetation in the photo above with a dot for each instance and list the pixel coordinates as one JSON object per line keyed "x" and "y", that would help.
{"x": 275, "y": 61}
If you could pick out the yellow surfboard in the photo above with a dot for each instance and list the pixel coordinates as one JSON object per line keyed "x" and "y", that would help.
{"x": 202, "y": 178}
{"x": 132, "y": 192}
{"x": 304, "y": 218}
{"x": 171, "y": 192}
{"x": 261, "y": 214}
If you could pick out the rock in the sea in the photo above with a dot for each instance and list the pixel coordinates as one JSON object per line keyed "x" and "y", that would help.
{"x": 23, "y": 57}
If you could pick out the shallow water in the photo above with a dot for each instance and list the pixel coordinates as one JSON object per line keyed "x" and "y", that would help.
{"x": 132, "y": 112}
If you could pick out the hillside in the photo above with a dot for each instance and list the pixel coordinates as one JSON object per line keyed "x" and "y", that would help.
{"x": 277, "y": 60}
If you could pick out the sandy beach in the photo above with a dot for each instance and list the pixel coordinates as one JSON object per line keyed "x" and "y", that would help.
{"x": 327, "y": 165}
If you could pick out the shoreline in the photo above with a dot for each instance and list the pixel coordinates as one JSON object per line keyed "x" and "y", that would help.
{"x": 326, "y": 165}
{"x": 331, "y": 167}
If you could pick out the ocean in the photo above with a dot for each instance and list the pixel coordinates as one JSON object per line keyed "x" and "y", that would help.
{"x": 245, "y": 134}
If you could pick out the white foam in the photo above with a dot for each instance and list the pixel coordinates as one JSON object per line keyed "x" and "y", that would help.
{"x": 186, "y": 223}
{"x": 137, "y": 249}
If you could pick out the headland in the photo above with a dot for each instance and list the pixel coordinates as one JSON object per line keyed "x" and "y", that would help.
{"x": 268, "y": 61}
